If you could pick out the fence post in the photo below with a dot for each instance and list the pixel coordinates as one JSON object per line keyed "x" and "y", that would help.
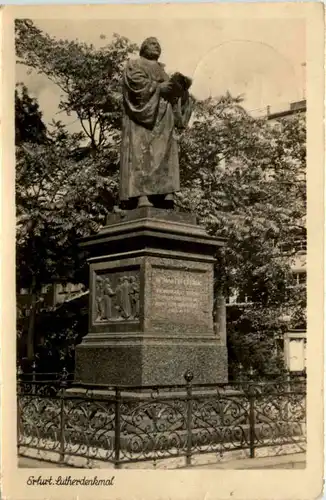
{"x": 287, "y": 396}
{"x": 240, "y": 376}
{"x": 117, "y": 425}
{"x": 33, "y": 377}
{"x": 19, "y": 372}
{"x": 188, "y": 378}
{"x": 63, "y": 386}
{"x": 288, "y": 381}
{"x": 251, "y": 393}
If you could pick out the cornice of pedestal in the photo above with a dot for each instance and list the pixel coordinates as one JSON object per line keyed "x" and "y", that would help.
{"x": 164, "y": 230}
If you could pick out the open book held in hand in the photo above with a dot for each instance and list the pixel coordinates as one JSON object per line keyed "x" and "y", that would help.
{"x": 179, "y": 84}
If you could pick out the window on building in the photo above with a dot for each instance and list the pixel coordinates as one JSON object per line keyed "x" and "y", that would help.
{"x": 301, "y": 245}
{"x": 237, "y": 297}
{"x": 25, "y": 311}
{"x": 300, "y": 278}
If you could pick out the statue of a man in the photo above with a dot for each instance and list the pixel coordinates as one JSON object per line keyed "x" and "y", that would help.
{"x": 154, "y": 105}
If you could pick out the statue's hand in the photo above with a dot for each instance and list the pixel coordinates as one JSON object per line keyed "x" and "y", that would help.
{"x": 165, "y": 88}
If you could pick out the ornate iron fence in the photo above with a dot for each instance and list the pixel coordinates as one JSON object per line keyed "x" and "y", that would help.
{"x": 123, "y": 425}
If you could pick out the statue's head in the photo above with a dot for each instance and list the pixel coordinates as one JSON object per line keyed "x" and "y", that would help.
{"x": 150, "y": 49}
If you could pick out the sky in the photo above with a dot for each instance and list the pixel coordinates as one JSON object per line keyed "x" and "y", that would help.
{"x": 261, "y": 59}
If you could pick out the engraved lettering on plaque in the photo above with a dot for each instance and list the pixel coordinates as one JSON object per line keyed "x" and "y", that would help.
{"x": 179, "y": 295}
{"x": 116, "y": 297}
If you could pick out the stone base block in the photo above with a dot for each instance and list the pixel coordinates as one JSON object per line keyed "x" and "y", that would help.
{"x": 151, "y": 363}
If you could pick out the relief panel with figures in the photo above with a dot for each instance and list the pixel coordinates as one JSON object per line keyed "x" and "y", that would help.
{"x": 116, "y": 297}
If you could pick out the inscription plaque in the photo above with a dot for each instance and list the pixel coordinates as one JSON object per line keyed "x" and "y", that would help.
{"x": 180, "y": 296}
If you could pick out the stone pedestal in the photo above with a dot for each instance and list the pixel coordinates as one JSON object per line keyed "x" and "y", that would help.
{"x": 151, "y": 302}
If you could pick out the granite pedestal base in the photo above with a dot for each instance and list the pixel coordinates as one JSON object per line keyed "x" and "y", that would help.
{"x": 151, "y": 312}
{"x": 151, "y": 363}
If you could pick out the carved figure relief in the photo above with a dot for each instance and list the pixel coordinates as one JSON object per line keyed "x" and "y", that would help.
{"x": 134, "y": 296}
{"x": 119, "y": 302}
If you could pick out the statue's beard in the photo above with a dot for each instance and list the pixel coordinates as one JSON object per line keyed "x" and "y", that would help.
{"x": 152, "y": 56}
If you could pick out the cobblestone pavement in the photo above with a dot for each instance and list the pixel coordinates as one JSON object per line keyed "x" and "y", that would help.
{"x": 295, "y": 461}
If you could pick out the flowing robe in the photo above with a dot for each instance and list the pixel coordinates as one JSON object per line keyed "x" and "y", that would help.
{"x": 123, "y": 298}
{"x": 149, "y": 152}
{"x": 108, "y": 293}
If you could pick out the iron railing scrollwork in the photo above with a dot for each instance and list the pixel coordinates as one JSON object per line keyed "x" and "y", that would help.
{"x": 123, "y": 425}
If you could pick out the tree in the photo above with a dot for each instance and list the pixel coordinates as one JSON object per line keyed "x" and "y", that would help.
{"x": 58, "y": 200}
{"x": 29, "y": 126}
{"x": 88, "y": 77}
{"x": 245, "y": 178}
{"x": 60, "y": 330}
{"x": 66, "y": 183}
{"x": 29, "y": 129}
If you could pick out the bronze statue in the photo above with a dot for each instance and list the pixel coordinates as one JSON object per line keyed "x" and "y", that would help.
{"x": 154, "y": 105}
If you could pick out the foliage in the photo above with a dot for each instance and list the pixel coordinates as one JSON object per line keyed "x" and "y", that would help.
{"x": 89, "y": 78}
{"x": 60, "y": 330}
{"x": 66, "y": 183}
{"x": 28, "y": 118}
{"x": 59, "y": 199}
{"x": 56, "y": 203}
{"x": 243, "y": 177}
